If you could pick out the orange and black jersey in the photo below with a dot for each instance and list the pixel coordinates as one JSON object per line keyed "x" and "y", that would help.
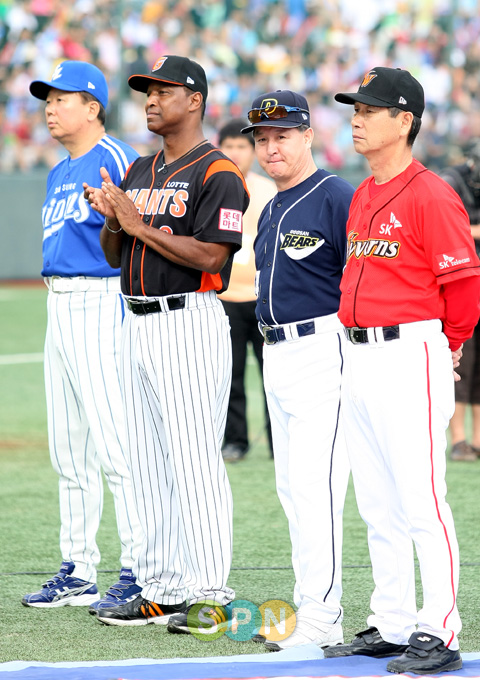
{"x": 203, "y": 195}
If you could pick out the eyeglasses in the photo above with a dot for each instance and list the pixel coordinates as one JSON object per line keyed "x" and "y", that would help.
{"x": 272, "y": 113}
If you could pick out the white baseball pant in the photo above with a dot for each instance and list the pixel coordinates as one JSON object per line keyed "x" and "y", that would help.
{"x": 177, "y": 371}
{"x": 302, "y": 382}
{"x": 85, "y": 418}
{"x": 398, "y": 398}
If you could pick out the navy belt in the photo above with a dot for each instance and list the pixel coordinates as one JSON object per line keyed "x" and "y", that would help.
{"x": 359, "y": 336}
{"x": 272, "y": 334}
{"x": 139, "y": 307}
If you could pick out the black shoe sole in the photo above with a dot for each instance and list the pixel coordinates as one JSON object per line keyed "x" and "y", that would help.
{"x": 334, "y": 653}
{"x": 178, "y": 630}
{"x": 158, "y": 620}
{"x": 330, "y": 653}
{"x": 401, "y": 668}
{"x": 273, "y": 647}
{"x": 258, "y": 638}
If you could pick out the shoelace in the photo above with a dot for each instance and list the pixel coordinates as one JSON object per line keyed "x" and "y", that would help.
{"x": 55, "y": 580}
{"x": 117, "y": 589}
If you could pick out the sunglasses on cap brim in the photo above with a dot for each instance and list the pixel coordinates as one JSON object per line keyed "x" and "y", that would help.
{"x": 272, "y": 113}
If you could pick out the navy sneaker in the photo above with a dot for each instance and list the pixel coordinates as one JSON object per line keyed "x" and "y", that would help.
{"x": 196, "y": 617}
{"x": 120, "y": 593}
{"x": 138, "y": 612}
{"x": 63, "y": 590}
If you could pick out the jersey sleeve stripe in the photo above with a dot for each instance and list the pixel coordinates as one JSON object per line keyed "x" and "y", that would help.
{"x": 116, "y": 145}
{"x": 224, "y": 165}
{"x": 118, "y": 155}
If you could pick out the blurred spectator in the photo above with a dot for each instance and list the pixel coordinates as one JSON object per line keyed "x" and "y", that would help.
{"x": 240, "y": 299}
{"x": 306, "y": 45}
{"x": 465, "y": 179}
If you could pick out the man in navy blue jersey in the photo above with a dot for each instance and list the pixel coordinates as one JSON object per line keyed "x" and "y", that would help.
{"x": 300, "y": 253}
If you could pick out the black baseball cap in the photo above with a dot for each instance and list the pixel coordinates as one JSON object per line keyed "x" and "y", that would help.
{"x": 269, "y": 102}
{"x": 175, "y": 70}
{"x": 391, "y": 87}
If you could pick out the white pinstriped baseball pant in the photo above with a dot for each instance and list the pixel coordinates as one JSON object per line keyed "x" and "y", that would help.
{"x": 177, "y": 373}
{"x": 85, "y": 418}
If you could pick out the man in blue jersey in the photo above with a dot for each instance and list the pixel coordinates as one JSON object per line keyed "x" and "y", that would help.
{"x": 82, "y": 347}
{"x": 300, "y": 253}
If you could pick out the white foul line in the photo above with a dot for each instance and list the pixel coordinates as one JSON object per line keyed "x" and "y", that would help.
{"x": 9, "y": 359}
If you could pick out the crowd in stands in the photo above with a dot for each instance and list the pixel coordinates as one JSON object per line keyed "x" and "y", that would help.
{"x": 247, "y": 47}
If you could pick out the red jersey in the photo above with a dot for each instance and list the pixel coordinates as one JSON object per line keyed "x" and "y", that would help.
{"x": 403, "y": 244}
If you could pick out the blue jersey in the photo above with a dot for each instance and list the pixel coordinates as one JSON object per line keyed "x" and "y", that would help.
{"x": 71, "y": 228}
{"x": 300, "y": 250}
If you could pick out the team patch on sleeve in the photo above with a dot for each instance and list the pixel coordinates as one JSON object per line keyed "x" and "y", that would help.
{"x": 452, "y": 260}
{"x": 230, "y": 220}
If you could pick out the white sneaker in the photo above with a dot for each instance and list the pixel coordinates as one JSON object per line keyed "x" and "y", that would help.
{"x": 306, "y": 634}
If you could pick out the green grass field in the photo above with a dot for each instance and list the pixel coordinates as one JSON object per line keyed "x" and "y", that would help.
{"x": 261, "y": 562}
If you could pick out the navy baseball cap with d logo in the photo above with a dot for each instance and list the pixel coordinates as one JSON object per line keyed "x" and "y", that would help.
{"x": 282, "y": 108}
{"x": 74, "y": 76}
{"x": 390, "y": 87}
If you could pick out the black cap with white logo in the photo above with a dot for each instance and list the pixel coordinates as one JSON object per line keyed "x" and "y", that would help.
{"x": 390, "y": 87}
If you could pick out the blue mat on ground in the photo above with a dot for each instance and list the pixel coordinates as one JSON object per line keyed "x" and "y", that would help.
{"x": 305, "y": 663}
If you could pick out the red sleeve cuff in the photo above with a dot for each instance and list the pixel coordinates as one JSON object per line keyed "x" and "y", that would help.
{"x": 462, "y": 309}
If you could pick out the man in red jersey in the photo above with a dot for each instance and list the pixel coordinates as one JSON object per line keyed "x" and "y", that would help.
{"x": 410, "y": 298}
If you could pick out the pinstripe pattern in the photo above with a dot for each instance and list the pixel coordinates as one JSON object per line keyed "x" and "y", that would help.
{"x": 85, "y": 422}
{"x": 177, "y": 372}
{"x": 82, "y": 360}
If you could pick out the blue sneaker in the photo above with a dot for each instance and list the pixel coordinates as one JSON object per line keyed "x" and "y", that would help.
{"x": 62, "y": 590}
{"x": 120, "y": 593}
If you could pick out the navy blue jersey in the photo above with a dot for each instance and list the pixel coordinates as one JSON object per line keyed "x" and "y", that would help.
{"x": 71, "y": 228}
{"x": 300, "y": 250}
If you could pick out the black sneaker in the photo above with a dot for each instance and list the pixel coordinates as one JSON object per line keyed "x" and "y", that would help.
{"x": 259, "y": 638}
{"x": 139, "y": 612}
{"x": 426, "y": 654}
{"x": 205, "y": 618}
{"x": 367, "y": 643}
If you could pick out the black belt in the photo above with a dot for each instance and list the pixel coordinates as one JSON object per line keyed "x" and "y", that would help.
{"x": 272, "y": 335}
{"x": 359, "y": 336}
{"x": 139, "y": 307}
